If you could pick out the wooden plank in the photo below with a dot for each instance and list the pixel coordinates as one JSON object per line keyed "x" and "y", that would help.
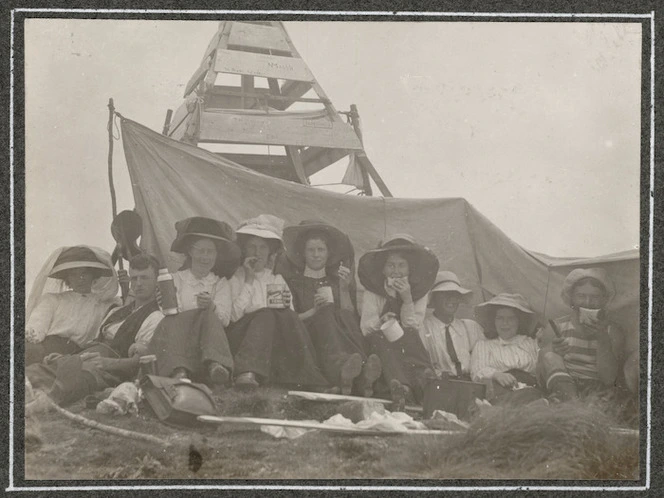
{"x": 325, "y": 397}
{"x": 196, "y": 78}
{"x": 277, "y": 130}
{"x": 178, "y": 122}
{"x": 364, "y": 161}
{"x": 294, "y": 155}
{"x": 303, "y": 424}
{"x": 258, "y": 36}
{"x": 214, "y": 43}
{"x": 267, "y": 66}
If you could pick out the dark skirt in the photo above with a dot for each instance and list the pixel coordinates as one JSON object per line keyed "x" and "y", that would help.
{"x": 335, "y": 335}
{"x": 405, "y": 360}
{"x": 275, "y": 345}
{"x": 189, "y": 340}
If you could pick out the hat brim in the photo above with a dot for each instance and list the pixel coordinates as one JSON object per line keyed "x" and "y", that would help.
{"x": 228, "y": 250}
{"x": 483, "y": 315}
{"x": 60, "y": 271}
{"x": 451, "y": 287}
{"x": 423, "y": 268}
{"x": 295, "y": 237}
{"x": 258, "y": 232}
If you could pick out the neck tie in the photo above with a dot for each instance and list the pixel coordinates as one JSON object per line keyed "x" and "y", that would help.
{"x": 451, "y": 351}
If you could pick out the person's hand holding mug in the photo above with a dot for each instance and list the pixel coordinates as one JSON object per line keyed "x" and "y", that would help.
{"x": 249, "y": 264}
{"x": 204, "y": 300}
{"x": 402, "y": 286}
{"x": 287, "y": 297}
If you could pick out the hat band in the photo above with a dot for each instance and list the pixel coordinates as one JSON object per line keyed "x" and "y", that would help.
{"x": 446, "y": 282}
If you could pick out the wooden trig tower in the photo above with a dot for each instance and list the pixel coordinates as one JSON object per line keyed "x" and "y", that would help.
{"x": 278, "y": 113}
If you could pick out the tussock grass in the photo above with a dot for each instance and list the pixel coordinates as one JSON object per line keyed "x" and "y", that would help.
{"x": 566, "y": 441}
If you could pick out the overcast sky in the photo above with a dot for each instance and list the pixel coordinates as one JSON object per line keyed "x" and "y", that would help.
{"x": 535, "y": 124}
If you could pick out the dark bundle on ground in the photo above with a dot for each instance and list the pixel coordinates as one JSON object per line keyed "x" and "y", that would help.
{"x": 567, "y": 441}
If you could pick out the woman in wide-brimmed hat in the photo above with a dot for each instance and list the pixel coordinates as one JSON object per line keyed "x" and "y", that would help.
{"x": 397, "y": 277}
{"x": 321, "y": 259}
{"x": 270, "y": 343}
{"x": 60, "y": 320}
{"x": 193, "y": 343}
{"x": 587, "y": 351}
{"x": 507, "y": 359}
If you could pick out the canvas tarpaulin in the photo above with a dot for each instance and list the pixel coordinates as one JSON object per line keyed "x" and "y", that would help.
{"x": 173, "y": 180}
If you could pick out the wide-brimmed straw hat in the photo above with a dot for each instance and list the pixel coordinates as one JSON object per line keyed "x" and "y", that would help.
{"x": 599, "y": 274}
{"x": 339, "y": 246}
{"x": 423, "y": 265}
{"x": 485, "y": 313}
{"x": 78, "y": 257}
{"x": 265, "y": 226}
{"x": 218, "y": 231}
{"x": 447, "y": 281}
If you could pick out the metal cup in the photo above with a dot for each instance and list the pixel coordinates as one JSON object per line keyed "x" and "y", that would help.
{"x": 326, "y": 292}
{"x": 275, "y": 295}
{"x": 392, "y": 330}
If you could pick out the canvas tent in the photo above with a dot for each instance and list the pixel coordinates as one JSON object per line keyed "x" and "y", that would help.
{"x": 172, "y": 180}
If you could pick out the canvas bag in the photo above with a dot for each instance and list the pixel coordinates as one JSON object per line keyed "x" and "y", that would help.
{"x": 177, "y": 401}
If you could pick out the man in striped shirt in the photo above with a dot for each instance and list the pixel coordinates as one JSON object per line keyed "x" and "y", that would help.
{"x": 583, "y": 352}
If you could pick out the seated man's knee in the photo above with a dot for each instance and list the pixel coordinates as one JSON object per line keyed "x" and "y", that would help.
{"x": 551, "y": 359}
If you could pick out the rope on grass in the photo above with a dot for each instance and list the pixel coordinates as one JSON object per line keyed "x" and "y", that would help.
{"x": 107, "y": 428}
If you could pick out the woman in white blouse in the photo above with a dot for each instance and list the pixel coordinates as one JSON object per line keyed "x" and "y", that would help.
{"x": 397, "y": 277}
{"x": 507, "y": 360}
{"x": 270, "y": 344}
{"x": 74, "y": 290}
{"x": 193, "y": 343}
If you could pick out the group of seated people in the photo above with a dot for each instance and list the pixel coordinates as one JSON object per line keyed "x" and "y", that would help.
{"x": 227, "y": 331}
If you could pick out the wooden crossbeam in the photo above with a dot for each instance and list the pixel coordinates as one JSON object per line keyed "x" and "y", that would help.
{"x": 364, "y": 161}
{"x": 227, "y": 97}
{"x": 218, "y": 127}
{"x": 267, "y": 66}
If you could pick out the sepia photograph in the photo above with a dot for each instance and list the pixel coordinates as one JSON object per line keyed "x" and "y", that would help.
{"x": 262, "y": 249}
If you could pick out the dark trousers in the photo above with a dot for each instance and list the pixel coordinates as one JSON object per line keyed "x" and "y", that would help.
{"x": 67, "y": 379}
{"x": 274, "y": 344}
{"x": 405, "y": 360}
{"x": 35, "y": 353}
{"x": 190, "y": 340}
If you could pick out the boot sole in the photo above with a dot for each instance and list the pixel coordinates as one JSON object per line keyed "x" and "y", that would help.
{"x": 349, "y": 372}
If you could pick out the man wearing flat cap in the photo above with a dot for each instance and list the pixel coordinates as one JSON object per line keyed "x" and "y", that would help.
{"x": 449, "y": 340}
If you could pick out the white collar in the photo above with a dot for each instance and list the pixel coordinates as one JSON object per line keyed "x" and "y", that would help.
{"x": 210, "y": 278}
{"x": 451, "y": 324}
{"x": 514, "y": 340}
{"x": 308, "y": 272}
